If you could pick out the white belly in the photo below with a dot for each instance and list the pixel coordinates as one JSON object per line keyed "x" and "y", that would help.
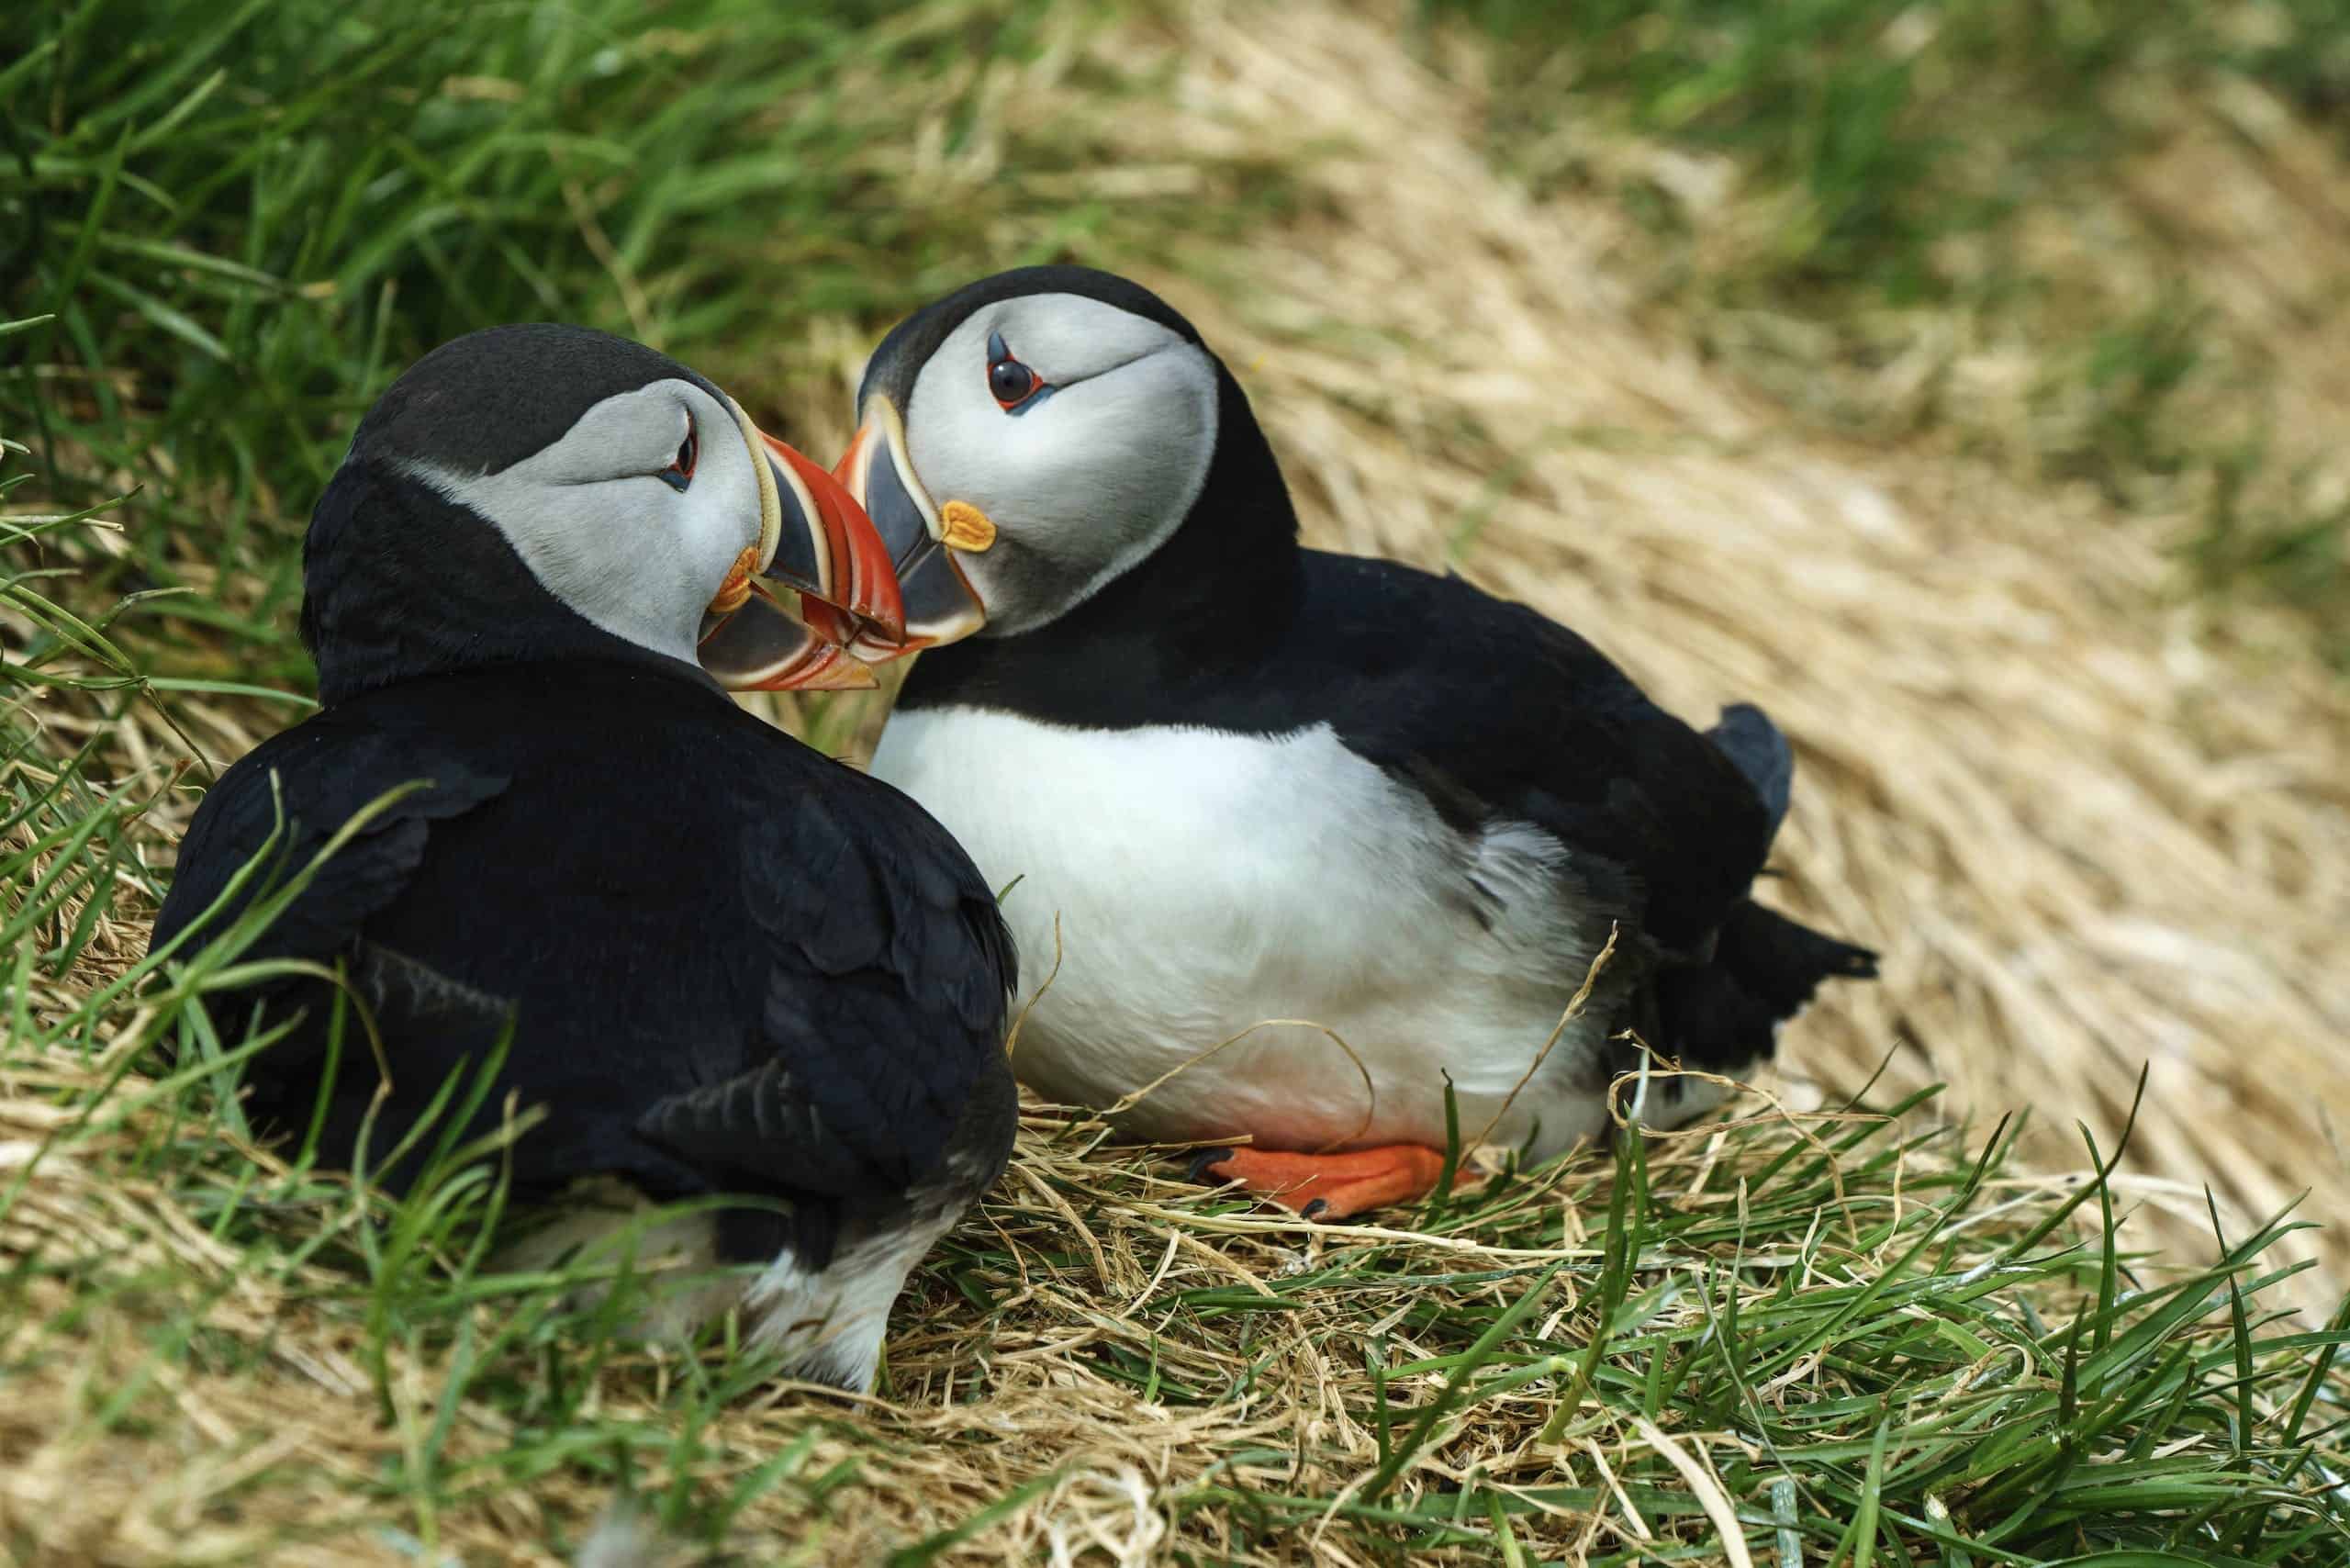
{"x": 1198, "y": 885}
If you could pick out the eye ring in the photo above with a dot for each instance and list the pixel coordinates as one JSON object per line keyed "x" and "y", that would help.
{"x": 680, "y": 472}
{"x": 1014, "y": 386}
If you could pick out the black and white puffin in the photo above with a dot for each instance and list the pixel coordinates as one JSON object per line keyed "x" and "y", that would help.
{"x": 1230, "y": 780}
{"x": 731, "y": 965}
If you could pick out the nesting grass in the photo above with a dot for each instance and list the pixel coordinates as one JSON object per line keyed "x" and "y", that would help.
{"x": 2092, "y": 821}
{"x": 2095, "y": 817}
{"x": 1800, "y": 1338}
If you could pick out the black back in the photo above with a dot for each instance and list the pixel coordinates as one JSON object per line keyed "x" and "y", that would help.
{"x": 1487, "y": 708}
{"x": 730, "y": 964}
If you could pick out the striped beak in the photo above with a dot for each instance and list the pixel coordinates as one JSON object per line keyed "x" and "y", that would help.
{"x": 924, "y": 542}
{"x": 818, "y": 578}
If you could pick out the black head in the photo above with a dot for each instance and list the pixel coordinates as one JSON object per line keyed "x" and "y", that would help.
{"x": 481, "y": 403}
{"x": 1040, "y": 435}
{"x": 544, "y": 491}
{"x": 912, "y": 342}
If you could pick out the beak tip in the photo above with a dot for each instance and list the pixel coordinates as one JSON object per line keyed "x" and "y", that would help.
{"x": 762, "y": 646}
{"x": 847, "y": 563}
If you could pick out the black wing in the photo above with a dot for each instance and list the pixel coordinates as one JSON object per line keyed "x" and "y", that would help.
{"x": 274, "y": 811}
{"x": 1664, "y": 826}
{"x": 733, "y": 964}
{"x": 883, "y": 977}
{"x": 1498, "y": 712}
{"x": 284, "y": 802}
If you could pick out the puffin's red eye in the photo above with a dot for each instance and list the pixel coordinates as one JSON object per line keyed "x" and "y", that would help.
{"x": 1011, "y": 384}
{"x": 1011, "y": 381}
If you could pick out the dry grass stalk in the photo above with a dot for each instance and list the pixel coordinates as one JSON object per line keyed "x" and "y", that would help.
{"x": 2089, "y": 830}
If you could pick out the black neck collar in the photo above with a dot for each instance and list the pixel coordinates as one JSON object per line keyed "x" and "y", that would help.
{"x": 1197, "y": 617}
{"x": 399, "y": 582}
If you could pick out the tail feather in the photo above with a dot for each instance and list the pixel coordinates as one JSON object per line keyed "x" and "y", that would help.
{"x": 1710, "y": 1024}
{"x": 1755, "y": 747}
{"x": 1725, "y": 1013}
{"x": 1782, "y": 963}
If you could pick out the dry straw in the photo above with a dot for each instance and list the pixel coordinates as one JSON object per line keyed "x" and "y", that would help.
{"x": 2091, "y": 826}
{"x": 2088, "y": 829}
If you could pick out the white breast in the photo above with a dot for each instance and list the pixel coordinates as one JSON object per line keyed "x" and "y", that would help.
{"x": 1200, "y": 883}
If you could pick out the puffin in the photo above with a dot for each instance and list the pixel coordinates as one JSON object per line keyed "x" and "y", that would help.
{"x": 572, "y": 881}
{"x": 1298, "y": 844}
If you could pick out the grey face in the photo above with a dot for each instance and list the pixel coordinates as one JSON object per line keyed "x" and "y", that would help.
{"x": 1048, "y": 443}
{"x": 636, "y": 515}
{"x": 643, "y": 499}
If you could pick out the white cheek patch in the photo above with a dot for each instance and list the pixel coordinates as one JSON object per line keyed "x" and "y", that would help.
{"x": 1089, "y": 482}
{"x": 626, "y": 552}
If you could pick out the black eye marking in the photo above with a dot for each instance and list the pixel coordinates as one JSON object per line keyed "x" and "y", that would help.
{"x": 1014, "y": 387}
{"x": 680, "y": 472}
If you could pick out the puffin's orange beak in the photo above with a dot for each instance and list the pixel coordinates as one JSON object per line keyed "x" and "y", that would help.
{"x": 817, "y": 552}
{"x": 761, "y": 645}
{"x": 924, "y": 542}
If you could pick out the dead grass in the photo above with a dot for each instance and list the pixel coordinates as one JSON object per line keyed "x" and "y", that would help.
{"x": 2091, "y": 824}
{"x": 1101, "y": 1367}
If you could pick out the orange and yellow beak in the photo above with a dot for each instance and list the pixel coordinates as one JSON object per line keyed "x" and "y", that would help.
{"x": 925, "y": 543}
{"x": 818, "y": 579}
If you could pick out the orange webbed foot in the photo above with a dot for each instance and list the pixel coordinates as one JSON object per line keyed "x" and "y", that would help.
{"x": 1327, "y": 1186}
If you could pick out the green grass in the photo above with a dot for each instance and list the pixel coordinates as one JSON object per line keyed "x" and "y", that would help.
{"x": 1874, "y": 1341}
{"x": 1896, "y": 147}
{"x": 243, "y": 222}
{"x": 1901, "y": 124}
{"x": 222, "y": 229}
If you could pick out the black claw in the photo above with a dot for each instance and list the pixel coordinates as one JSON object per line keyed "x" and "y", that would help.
{"x": 1203, "y": 1164}
{"x": 1314, "y": 1208}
